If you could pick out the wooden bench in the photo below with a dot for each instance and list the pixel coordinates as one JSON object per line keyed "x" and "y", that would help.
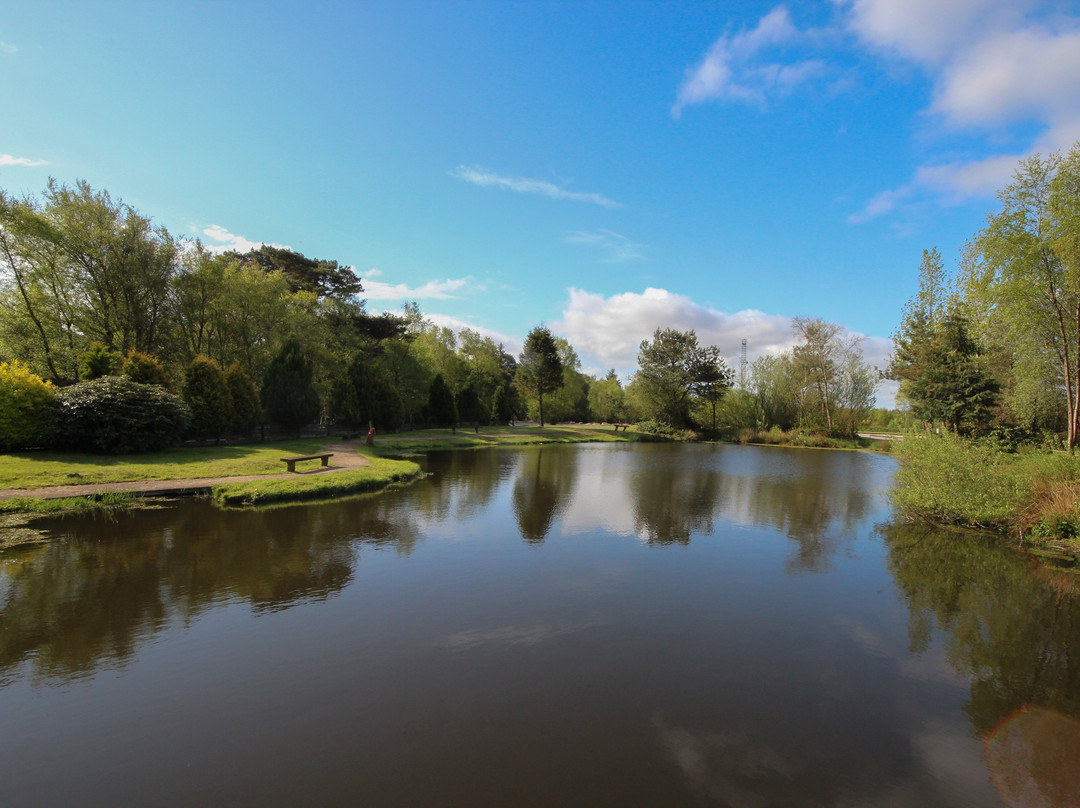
{"x": 291, "y": 462}
{"x": 623, "y": 427}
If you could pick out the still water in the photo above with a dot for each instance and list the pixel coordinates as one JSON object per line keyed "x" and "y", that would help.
{"x": 604, "y": 625}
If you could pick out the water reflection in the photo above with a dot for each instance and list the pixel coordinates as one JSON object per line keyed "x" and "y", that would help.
{"x": 371, "y": 638}
{"x": 674, "y": 501}
{"x": 543, "y": 486}
{"x": 1012, "y": 628}
{"x": 90, "y": 596}
{"x": 467, "y": 482}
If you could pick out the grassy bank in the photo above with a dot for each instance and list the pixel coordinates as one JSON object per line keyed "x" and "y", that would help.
{"x": 947, "y": 480}
{"x": 808, "y": 440}
{"x": 428, "y": 439}
{"x": 34, "y": 469}
{"x": 381, "y": 473}
{"x": 46, "y": 469}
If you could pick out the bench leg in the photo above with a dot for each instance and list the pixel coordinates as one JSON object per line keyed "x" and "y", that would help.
{"x": 325, "y": 460}
{"x": 291, "y": 464}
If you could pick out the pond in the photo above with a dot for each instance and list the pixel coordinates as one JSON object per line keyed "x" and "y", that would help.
{"x": 595, "y": 625}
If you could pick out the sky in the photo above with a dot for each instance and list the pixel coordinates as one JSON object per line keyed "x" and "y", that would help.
{"x": 602, "y": 168}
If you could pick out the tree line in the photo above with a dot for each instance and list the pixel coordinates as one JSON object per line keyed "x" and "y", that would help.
{"x": 994, "y": 347}
{"x": 96, "y": 298}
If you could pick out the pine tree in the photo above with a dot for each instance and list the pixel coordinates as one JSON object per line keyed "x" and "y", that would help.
{"x": 288, "y": 396}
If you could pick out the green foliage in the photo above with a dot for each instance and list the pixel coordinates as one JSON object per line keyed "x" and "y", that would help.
{"x": 352, "y": 395}
{"x": 24, "y": 401}
{"x": 323, "y": 278}
{"x": 441, "y": 410}
{"x": 672, "y": 369}
{"x": 98, "y": 361}
{"x": 607, "y": 399}
{"x": 114, "y": 415}
{"x": 949, "y": 480}
{"x": 469, "y": 406}
{"x": 941, "y": 370}
{"x": 288, "y": 396}
{"x": 1022, "y": 282}
{"x": 501, "y": 412}
{"x": 539, "y": 369}
{"x": 144, "y": 368}
{"x": 207, "y": 394}
{"x": 246, "y": 410}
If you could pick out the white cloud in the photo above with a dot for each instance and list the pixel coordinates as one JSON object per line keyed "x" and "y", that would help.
{"x": 616, "y": 248}
{"x": 736, "y": 68}
{"x": 7, "y": 47}
{"x": 478, "y": 175}
{"x": 224, "y": 241}
{"x": 8, "y": 160}
{"x": 929, "y": 30}
{"x": 993, "y": 64}
{"x": 612, "y": 328}
{"x": 607, "y": 331}
{"x": 432, "y": 290}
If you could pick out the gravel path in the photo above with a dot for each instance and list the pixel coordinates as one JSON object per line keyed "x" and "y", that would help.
{"x": 345, "y": 457}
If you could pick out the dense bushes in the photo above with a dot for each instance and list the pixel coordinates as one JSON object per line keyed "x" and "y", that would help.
{"x": 144, "y": 368}
{"x": 947, "y": 480}
{"x": 114, "y": 415}
{"x": 207, "y": 394}
{"x": 24, "y": 397}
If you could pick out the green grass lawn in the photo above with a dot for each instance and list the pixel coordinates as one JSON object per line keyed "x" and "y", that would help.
{"x": 424, "y": 439}
{"x": 381, "y": 473}
{"x": 32, "y": 469}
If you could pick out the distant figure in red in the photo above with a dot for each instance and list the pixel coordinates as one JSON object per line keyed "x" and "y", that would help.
{"x": 370, "y": 437}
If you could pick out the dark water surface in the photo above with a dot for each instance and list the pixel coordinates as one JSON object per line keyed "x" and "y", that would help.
{"x": 650, "y": 625}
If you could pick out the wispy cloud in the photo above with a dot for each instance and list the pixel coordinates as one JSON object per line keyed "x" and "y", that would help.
{"x": 615, "y": 247}
{"x": 8, "y": 48}
{"x": 8, "y": 160}
{"x": 221, "y": 240}
{"x": 745, "y": 67}
{"x": 994, "y": 65}
{"x": 512, "y": 345}
{"x": 478, "y": 175}
{"x": 432, "y": 290}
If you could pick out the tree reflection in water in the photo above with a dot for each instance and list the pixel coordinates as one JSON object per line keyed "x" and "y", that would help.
{"x": 542, "y": 490}
{"x": 1012, "y": 627}
{"x": 91, "y": 595}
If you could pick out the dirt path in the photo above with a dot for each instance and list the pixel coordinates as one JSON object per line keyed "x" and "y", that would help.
{"x": 345, "y": 457}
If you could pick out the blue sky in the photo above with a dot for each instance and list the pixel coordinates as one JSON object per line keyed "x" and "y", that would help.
{"x": 604, "y": 168}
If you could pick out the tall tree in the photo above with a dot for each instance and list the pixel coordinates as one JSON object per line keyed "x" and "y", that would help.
{"x": 1023, "y": 273}
{"x": 206, "y": 392}
{"x": 816, "y": 357}
{"x": 324, "y": 278}
{"x": 288, "y": 395}
{"x": 539, "y": 369}
{"x": 672, "y": 368}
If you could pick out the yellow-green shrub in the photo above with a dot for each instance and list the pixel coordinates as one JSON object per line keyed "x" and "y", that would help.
{"x": 24, "y": 398}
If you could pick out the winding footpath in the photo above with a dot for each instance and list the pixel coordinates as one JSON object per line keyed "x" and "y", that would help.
{"x": 345, "y": 457}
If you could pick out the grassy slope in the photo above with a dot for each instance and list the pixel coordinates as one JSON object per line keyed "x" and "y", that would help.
{"x": 33, "y": 469}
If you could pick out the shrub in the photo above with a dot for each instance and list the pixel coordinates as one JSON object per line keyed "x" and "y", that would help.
{"x": 114, "y": 415}
{"x": 144, "y": 368}
{"x": 24, "y": 402}
{"x": 98, "y": 361}
{"x": 246, "y": 410}
{"x": 288, "y": 396}
{"x": 207, "y": 393}
{"x": 947, "y": 480}
{"x": 652, "y": 427}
